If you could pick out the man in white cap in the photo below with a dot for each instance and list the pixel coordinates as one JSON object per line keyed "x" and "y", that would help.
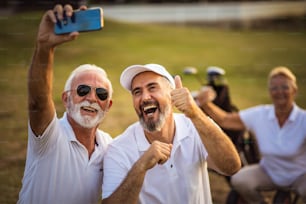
{"x": 163, "y": 158}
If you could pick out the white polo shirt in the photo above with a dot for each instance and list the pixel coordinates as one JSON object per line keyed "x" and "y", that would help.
{"x": 182, "y": 179}
{"x": 58, "y": 170}
{"x": 283, "y": 149}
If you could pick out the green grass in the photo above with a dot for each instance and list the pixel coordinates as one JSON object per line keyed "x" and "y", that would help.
{"x": 247, "y": 56}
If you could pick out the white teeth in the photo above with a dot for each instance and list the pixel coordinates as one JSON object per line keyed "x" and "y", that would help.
{"x": 88, "y": 108}
{"x": 148, "y": 107}
{"x": 150, "y": 114}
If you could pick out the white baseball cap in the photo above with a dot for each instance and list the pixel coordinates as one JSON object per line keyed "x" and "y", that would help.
{"x": 130, "y": 72}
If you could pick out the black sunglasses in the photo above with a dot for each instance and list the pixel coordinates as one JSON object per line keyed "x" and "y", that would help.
{"x": 83, "y": 90}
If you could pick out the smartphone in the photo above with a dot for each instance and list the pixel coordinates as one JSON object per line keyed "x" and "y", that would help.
{"x": 81, "y": 21}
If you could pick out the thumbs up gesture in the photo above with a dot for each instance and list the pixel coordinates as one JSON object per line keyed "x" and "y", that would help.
{"x": 182, "y": 99}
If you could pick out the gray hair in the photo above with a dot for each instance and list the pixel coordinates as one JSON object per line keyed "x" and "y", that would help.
{"x": 84, "y": 68}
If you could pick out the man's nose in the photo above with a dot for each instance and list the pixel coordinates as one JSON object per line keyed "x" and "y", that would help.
{"x": 146, "y": 95}
{"x": 92, "y": 96}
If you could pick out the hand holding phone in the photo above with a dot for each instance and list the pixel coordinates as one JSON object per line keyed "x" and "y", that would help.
{"x": 81, "y": 21}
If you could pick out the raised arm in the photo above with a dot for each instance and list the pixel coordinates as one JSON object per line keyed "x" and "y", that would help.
{"x": 222, "y": 155}
{"x": 40, "y": 76}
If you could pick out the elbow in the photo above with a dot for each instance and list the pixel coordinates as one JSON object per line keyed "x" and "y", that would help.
{"x": 225, "y": 166}
{"x": 233, "y": 167}
{"x": 230, "y": 166}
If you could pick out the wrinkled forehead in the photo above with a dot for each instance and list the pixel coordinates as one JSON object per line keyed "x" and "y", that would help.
{"x": 90, "y": 78}
{"x": 147, "y": 77}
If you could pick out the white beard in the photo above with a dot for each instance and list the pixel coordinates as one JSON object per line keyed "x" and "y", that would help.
{"x": 86, "y": 121}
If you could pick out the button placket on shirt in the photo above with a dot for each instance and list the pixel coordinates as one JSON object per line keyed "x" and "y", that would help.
{"x": 170, "y": 163}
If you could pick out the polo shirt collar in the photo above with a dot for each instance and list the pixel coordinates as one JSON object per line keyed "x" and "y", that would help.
{"x": 70, "y": 135}
{"x": 292, "y": 115}
{"x": 140, "y": 138}
{"x": 182, "y": 130}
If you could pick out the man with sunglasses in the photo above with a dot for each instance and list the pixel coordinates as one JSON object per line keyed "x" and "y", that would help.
{"x": 163, "y": 158}
{"x": 64, "y": 156}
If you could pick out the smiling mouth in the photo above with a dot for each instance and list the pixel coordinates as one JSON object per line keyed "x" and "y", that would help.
{"x": 150, "y": 109}
{"x": 89, "y": 109}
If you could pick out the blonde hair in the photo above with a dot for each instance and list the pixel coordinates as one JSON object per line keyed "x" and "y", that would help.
{"x": 283, "y": 71}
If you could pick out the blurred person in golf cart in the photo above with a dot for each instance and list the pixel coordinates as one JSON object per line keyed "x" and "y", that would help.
{"x": 218, "y": 86}
{"x": 216, "y": 79}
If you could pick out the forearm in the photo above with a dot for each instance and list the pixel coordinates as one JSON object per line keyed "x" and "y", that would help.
{"x": 213, "y": 111}
{"x": 228, "y": 120}
{"x": 40, "y": 73}
{"x": 220, "y": 148}
{"x": 129, "y": 189}
{"x": 40, "y": 76}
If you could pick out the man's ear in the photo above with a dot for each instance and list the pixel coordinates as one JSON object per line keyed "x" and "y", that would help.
{"x": 110, "y": 104}
{"x": 65, "y": 98}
